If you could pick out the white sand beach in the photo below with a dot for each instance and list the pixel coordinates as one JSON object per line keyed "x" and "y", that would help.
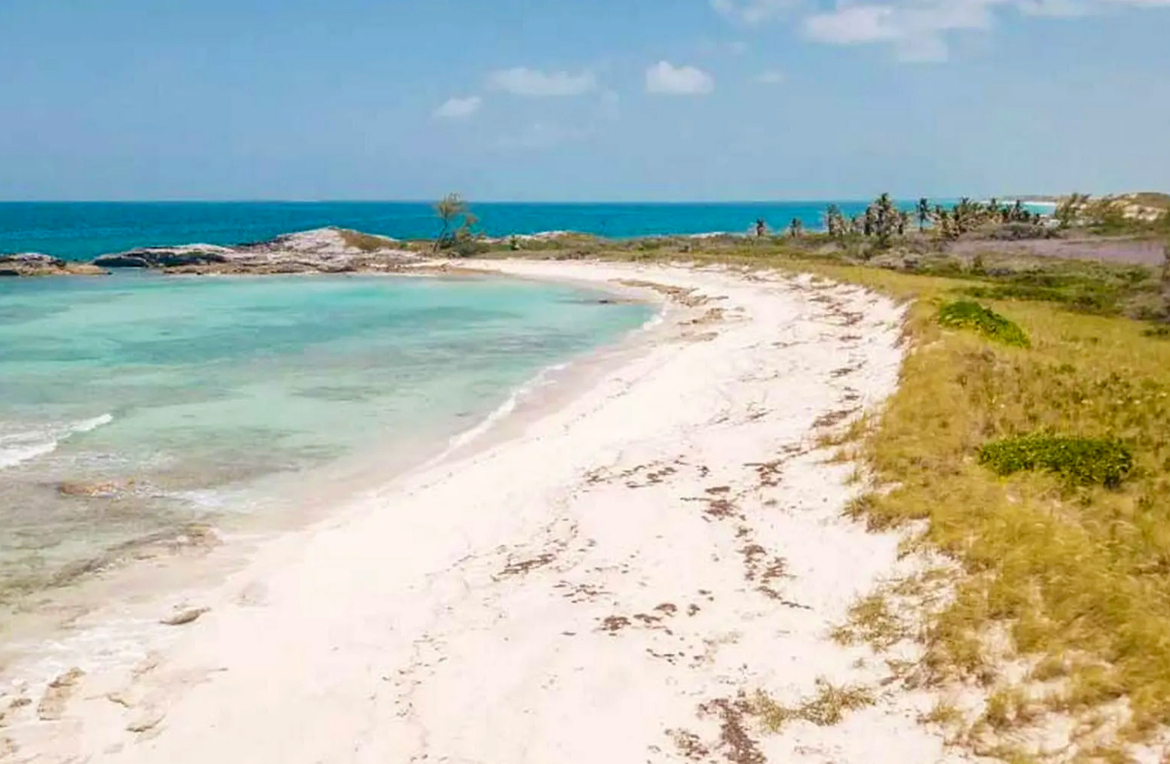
{"x": 614, "y": 583}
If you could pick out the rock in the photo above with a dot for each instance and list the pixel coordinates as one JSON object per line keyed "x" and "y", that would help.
{"x": 37, "y": 264}
{"x": 184, "y": 617}
{"x": 166, "y": 257}
{"x": 32, "y": 259}
{"x": 96, "y": 490}
{"x": 325, "y": 242}
{"x": 325, "y": 250}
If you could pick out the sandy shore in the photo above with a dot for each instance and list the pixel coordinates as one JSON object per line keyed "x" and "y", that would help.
{"x": 609, "y": 585}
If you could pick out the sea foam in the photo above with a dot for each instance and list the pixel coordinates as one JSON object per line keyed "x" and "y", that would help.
{"x": 25, "y": 445}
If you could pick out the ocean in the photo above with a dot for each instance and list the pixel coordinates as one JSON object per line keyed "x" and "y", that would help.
{"x": 135, "y": 404}
{"x": 84, "y": 230}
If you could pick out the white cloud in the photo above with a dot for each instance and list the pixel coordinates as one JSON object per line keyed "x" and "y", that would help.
{"x": 1054, "y": 8}
{"x": 459, "y": 108}
{"x": 770, "y": 77}
{"x": 916, "y": 30}
{"x": 752, "y": 11}
{"x": 666, "y": 78}
{"x": 919, "y": 30}
{"x": 537, "y": 84}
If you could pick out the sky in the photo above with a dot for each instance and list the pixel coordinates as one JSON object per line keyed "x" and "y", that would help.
{"x": 581, "y": 100}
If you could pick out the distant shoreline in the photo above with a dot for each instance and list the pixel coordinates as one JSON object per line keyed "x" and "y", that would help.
{"x": 81, "y": 231}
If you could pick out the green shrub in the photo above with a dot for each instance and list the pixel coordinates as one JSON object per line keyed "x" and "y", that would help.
{"x": 972, "y": 315}
{"x": 1158, "y": 332}
{"x": 1083, "y": 461}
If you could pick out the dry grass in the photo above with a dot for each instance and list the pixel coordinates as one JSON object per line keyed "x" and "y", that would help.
{"x": 1084, "y": 569}
{"x": 827, "y": 707}
{"x": 366, "y": 242}
{"x": 872, "y": 620}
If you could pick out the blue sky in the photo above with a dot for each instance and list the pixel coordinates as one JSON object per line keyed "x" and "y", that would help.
{"x": 576, "y": 100}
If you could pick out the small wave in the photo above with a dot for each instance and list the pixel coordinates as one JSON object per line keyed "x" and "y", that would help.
{"x": 541, "y": 379}
{"x": 26, "y": 445}
{"x": 87, "y": 425}
{"x": 716, "y": 235}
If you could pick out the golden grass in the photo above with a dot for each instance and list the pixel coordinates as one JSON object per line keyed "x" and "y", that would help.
{"x": 364, "y": 241}
{"x": 828, "y": 706}
{"x": 1082, "y": 571}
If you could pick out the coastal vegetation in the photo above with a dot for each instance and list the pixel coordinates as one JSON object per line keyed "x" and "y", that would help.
{"x": 1025, "y": 451}
{"x": 458, "y": 233}
{"x": 972, "y": 315}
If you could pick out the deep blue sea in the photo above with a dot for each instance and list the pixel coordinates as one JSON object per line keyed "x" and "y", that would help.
{"x": 84, "y": 230}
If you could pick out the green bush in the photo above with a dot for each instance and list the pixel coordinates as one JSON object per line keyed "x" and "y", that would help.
{"x": 1083, "y": 461}
{"x": 972, "y": 315}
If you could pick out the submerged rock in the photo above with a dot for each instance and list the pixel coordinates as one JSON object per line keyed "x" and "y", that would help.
{"x": 95, "y": 490}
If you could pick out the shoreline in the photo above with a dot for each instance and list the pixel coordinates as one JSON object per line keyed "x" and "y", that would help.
{"x": 601, "y": 585}
{"x": 201, "y": 555}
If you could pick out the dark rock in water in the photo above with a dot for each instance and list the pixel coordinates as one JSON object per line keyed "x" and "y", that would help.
{"x": 31, "y": 259}
{"x": 37, "y": 264}
{"x": 164, "y": 257}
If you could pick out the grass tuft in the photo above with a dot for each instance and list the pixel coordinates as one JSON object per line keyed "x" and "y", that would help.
{"x": 824, "y": 709}
{"x": 1081, "y": 461}
{"x": 971, "y": 315}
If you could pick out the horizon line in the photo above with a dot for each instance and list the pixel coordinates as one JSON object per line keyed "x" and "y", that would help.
{"x": 1005, "y": 197}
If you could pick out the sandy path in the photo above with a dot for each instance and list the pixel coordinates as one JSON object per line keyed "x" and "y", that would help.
{"x": 602, "y": 588}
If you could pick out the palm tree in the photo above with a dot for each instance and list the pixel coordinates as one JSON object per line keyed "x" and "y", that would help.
{"x": 1017, "y": 214}
{"x": 923, "y": 213}
{"x": 795, "y": 228}
{"x": 761, "y": 228}
{"x": 834, "y": 221}
{"x": 943, "y": 222}
{"x": 449, "y": 209}
{"x": 993, "y": 211}
{"x": 904, "y": 219}
{"x": 886, "y": 219}
{"x": 962, "y": 214}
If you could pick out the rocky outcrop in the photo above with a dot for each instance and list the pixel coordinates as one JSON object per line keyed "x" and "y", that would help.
{"x": 325, "y": 250}
{"x": 36, "y": 264}
{"x": 166, "y": 257}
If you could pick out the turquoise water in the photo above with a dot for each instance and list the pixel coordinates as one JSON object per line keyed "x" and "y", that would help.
{"x": 190, "y": 399}
{"x": 81, "y": 231}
